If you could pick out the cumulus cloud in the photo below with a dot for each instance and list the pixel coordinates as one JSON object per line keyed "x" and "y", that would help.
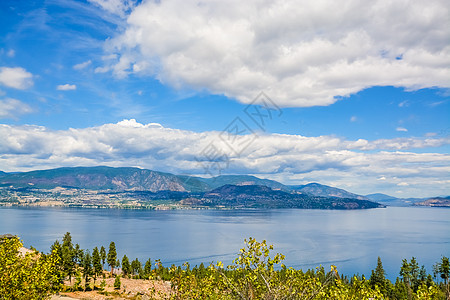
{"x": 118, "y": 7}
{"x": 11, "y": 108}
{"x": 401, "y": 129}
{"x": 82, "y": 65}
{"x": 288, "y": 158}
{"x": 66, "y": 87}
{"x": 17, "y": 78}
{"x": 301, "y": 53}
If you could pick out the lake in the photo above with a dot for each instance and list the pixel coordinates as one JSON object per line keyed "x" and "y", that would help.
{"x": 350, "y": 239}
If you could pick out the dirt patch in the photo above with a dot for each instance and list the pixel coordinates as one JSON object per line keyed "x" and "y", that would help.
{"x": 130, "y": 289}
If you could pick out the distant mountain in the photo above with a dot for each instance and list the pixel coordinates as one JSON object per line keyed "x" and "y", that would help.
{"x": 96, "y": 178}
{"x": 318, "y": 189}
{"x": 380, "y": 197}
{"x": 257, "y": 196}
{"x": 435, "y": 202}
{"x": 219, "y": 181}
{"x": 135, "y": 179}
{"x": 235, "y": 191}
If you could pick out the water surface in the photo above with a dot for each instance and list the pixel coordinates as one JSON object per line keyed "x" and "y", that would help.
{"x": 351, "y": 240}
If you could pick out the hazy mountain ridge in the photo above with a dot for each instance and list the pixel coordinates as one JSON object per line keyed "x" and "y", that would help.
{"x": 380, "y": 197}
{"x": 318, "y": 189}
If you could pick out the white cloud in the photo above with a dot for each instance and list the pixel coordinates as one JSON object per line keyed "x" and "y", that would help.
{"x": 82, "y": 65}
{"x": 118, "y": 7}
{"x": 17, "y": 78}
{"x": 11, "y": 108}
{"x": 289, "y": 158}
{"x": 402, "y": 129}
{"x": 301, "y": 53}
{"x": 66, "y": 87}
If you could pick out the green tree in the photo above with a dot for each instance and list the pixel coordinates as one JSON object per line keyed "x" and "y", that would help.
{"x": 378, "y": 277}
{"x": 136, "y": 268}
{"x": 87, "y": 268}
{"x": 97, "y": 264}
{"x": 30, "y": 276}
{"x": 126, "y": 268}
{"x": 112, "y": 256}
{"x": 442, "y": 268}
{"x": 68, "y": 255}
{"x": 147, "y": 268}
{"x": 117, "y": 282}
{"x": 78, "y": 253}
{"x": 103, "y": 256}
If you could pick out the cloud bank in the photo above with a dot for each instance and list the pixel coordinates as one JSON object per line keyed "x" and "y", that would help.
{"x": 356, "y": 165}
{"x": 303, "y": 53}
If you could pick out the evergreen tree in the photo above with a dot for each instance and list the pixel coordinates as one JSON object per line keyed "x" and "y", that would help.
{"x": 126, "y": 268}
{"x": 147, "y": 268}
{"x": 442, "y": 268}
{"x": 78, "y": 254}
{"x": 112, "y": 256}
{"x": 103, "y": 256}
{"x": 415, "y": 271}
{"x": 117, "y": 283}
{"x": 97, "y": 264}
{"x": 378, "y": 277}
{"x": 87, "y": 268}
{"x": 136, "y": 267}
{"x": 68, "y": 255}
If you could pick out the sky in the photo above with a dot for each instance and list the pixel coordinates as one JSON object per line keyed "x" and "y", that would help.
{"x": 352, "y": 94}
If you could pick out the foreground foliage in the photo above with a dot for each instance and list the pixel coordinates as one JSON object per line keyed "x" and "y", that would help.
{"x": 27, "y": 276}
{"x": 255, "y": 274}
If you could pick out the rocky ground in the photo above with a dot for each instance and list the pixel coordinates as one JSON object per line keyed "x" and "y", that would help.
{"x": 130, "y": 289}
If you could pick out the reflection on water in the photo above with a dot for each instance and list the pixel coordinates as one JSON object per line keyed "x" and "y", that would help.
{"x": 352, "y": 240}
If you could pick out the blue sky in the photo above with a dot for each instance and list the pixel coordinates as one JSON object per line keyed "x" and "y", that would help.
{"x": 359, "y": 94}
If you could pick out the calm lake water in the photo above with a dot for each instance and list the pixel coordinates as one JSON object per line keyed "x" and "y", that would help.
{"x": 351, "y": 240}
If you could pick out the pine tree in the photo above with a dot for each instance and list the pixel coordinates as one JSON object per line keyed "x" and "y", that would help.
{"x": 103, "y": 256}
{"x": 378, "y": 277}
{"x": 126, "y": 268}
{"x": 147, "y": 268}
{"x": 78, "y": 254}
{"x": 136, "y": 267}
{"x": 68, "y": 255}
{"x": 96, "y": 262}
{"x": 87, "y": 268}
{"x": 117, "y": 283}
{"x": 112, "y": 256}
{"x": 443, "y": 269}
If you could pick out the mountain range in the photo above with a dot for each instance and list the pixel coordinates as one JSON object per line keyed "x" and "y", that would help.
{"x": 135, "y": 179}
{"x": 221, "y": 190}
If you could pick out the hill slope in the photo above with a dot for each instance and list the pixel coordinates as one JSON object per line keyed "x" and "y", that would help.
{"x": 95, "y": 178}
{"x": 318, "y": 189}
{"x": 257, "y": 196}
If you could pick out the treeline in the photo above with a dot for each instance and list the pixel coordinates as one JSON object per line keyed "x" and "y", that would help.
{"x": 254, "y": 274}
